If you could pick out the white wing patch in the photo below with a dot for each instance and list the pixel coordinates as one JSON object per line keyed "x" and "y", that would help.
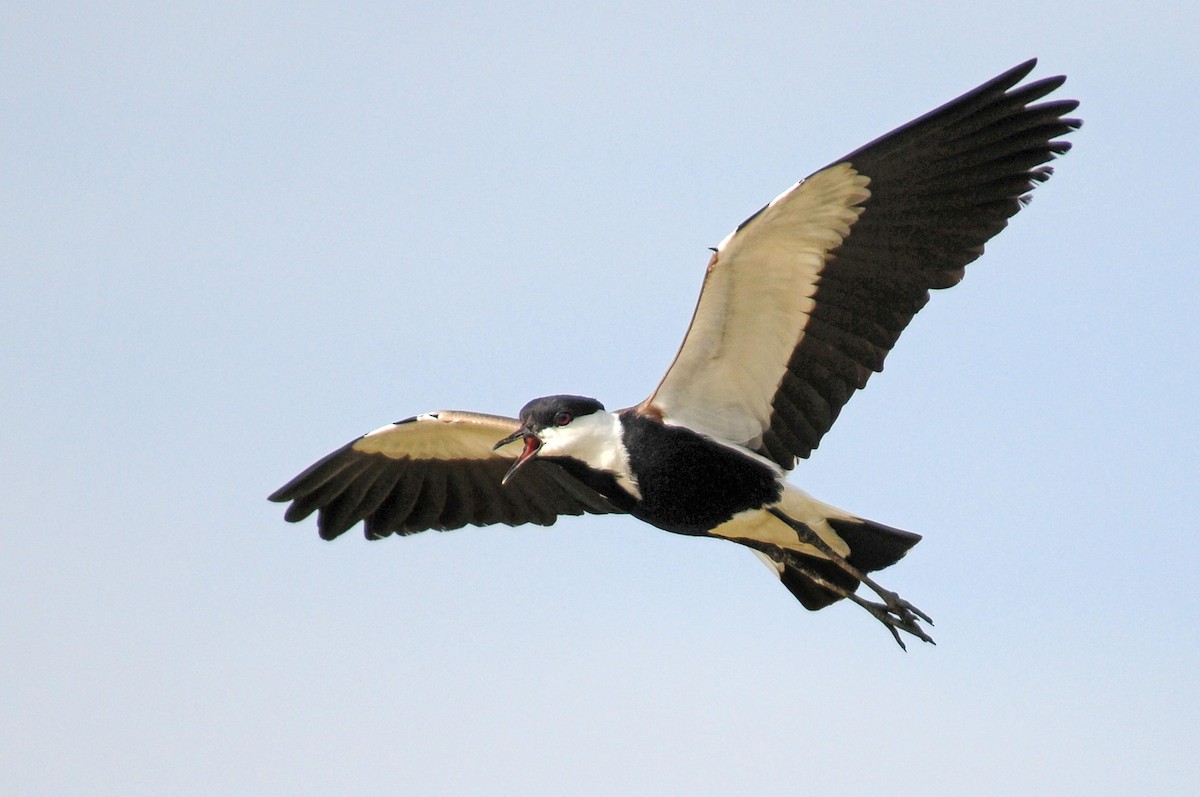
{"x": 753, "y": 307}
{"x": 442, "y": 435}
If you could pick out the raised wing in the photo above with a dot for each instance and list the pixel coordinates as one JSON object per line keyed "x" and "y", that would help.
{"x": 434, "y": 471}
{"x": 802, "y": 302}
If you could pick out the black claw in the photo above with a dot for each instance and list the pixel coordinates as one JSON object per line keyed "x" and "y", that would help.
{"x": 897, "y": 618}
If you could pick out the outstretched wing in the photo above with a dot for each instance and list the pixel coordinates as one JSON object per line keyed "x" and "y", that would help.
{"x": 802, "y": 302}
{"x": 434, "y": 471}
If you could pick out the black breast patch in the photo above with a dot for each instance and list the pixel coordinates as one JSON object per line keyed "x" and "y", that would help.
{"x": 689, "y": 483}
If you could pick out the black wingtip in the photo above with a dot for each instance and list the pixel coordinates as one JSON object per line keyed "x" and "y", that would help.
{"x": 1006, "y": 80}
{"x": 1018, "y": 72}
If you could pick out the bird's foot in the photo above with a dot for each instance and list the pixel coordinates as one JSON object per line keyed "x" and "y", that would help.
{"x": 897, "y": 615}
{"x": 895, "y": 612}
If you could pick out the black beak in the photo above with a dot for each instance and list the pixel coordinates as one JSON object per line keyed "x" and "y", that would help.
{"x": 509, "y": 439}
{"x": 532, "y": 444}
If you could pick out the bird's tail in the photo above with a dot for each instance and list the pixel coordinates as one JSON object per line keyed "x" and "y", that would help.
{"x": 864, "y": 544}
{"x": 873, "y": 546}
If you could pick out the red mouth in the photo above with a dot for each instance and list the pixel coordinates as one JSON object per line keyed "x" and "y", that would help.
{"x": 532, "y": 444}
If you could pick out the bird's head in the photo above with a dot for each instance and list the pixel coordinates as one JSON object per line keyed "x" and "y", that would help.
{"x": 548, "y": 427}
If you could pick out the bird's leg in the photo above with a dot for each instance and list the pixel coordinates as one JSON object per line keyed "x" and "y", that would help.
{"x": 894, "y": 621}
{"x": 901, "y": 613}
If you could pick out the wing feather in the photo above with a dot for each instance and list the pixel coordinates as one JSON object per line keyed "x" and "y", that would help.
{"x": 434, "y": 471}
{"x": 804, "y": 300}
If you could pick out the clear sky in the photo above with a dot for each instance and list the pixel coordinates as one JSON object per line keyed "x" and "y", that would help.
{"x": 234, "y": 236}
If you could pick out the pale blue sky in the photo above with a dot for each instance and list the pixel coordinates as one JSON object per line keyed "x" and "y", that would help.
{"x": 237, "y": 236}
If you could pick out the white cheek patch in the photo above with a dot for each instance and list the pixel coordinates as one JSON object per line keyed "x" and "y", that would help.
{"x": 595, "y": 440}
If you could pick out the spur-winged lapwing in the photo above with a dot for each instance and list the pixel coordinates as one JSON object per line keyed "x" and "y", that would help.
{"x": 800, "y": 304}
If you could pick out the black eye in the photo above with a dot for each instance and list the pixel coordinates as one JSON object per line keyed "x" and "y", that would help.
{"x": 562, "y": 419}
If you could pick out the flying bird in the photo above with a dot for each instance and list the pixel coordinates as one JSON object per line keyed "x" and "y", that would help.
{"x": 799, "y": 305}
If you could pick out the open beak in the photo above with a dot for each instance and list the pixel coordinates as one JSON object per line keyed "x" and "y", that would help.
{"x": 532, "y": 444}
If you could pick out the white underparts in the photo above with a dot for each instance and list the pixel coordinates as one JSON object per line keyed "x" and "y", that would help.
{"x": 762, "y": 526}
